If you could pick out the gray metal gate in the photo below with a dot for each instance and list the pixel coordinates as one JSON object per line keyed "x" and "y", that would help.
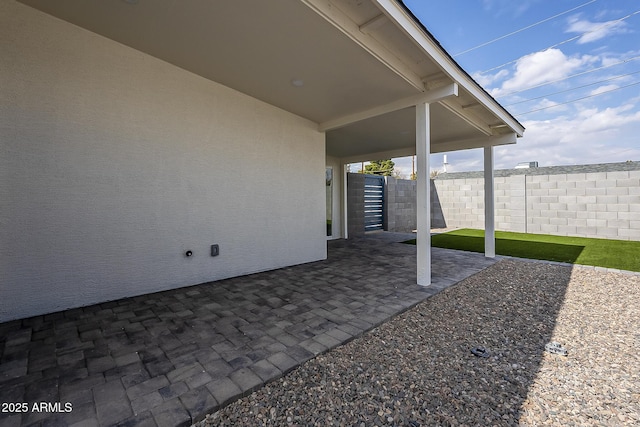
{"x": 373, "y": 202}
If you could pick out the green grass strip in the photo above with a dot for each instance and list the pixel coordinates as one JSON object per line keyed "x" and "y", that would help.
{"x": 620, "y": 254}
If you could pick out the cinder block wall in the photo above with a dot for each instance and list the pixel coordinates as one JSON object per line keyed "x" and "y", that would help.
{"x": 400, "y": 205}
{"x": 599, "y": 204}
{"x": 461, "y": 201}
{"x": 355, "y": 204}
{"x": 437, "y": 216}
{"x": 600, "y": 201}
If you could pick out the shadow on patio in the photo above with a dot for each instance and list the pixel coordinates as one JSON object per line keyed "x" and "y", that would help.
{"x": 170, "y": 358}
{"x": 418, "y": 369}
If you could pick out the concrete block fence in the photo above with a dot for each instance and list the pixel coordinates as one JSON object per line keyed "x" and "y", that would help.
{"x": 601, "y": 201}
{"x": 399, "y": 205}
{"x": 355, "y": 204}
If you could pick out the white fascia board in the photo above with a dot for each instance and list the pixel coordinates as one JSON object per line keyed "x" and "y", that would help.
{"x": 344, "y": 23}
{"x": 428, "y": 97}
{"x": 405, "y": 22}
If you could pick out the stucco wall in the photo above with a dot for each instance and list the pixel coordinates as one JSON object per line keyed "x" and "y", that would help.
{"x": 115, "y": 163}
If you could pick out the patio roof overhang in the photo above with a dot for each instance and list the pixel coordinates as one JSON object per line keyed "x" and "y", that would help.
{"x": 357, "y": 69}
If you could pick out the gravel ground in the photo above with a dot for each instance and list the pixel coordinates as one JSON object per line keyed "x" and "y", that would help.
{"x": 418, "y": 370}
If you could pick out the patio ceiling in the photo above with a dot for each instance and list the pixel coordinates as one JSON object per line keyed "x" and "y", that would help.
{"x": 339, "y": 63}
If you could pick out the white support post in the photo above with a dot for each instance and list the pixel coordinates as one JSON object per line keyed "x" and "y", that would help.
{"x": 489, "y": 205}
{"x": 423, "y": 241}
{"x": 345, "y": 199}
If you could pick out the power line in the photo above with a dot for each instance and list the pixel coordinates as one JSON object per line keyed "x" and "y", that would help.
{"x": 578, "y": 99}
{"x": 573, "y": 88}
{"x": 569, "y": 77}
{"x": 522, "y": 29}
{"x": 606, "y": 24}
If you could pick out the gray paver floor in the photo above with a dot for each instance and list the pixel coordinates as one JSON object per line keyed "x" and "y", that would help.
{"x": 169, "y": 358}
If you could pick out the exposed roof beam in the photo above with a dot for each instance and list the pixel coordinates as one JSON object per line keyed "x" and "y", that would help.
{"x": 391, "y": 154}
{"x": 410, "y": 27}
{"x": 435, "y": 80}
{"x": 345, "y": 24}
{"x": 436, "y": 147}
{"x": 467, "y": 116}
{"x": 374, "y": 24}
{"x": 466, "y": 144}
{"x": 498, "y": 126}
{"x": 431, "y": 96}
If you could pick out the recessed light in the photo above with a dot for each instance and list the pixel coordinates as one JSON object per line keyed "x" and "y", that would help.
{"x": 297, "y": 82}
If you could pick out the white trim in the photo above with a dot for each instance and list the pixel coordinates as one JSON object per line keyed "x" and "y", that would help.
{"x": 342, "y": 22}
{"x": 391, "y": 154}
{"x": 345, "y": 213}
{"x": 423, "y": 214}
{"x": 439, "y": 147}
{"x": 333, "y": 201}
{"x": 489, "y": 205}
{"x": 430, "y": 96}
{"x": 374, "y": 23}
{"x": 411, "y": 28}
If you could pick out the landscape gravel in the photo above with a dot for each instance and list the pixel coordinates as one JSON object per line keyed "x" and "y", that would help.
{"x": 418, "y": 369}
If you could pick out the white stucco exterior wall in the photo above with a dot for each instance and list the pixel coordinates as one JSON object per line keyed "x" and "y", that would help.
{"x": 114, "y": 163}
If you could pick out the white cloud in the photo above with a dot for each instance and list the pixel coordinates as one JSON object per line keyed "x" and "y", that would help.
{"x": 486, "y": 80}
{"x": 546, "y": 104}
{"x": 542, "y": 67}
{"x": 589, "y": 126}
{"x": 508, "y": 7}
{"x": 608, "y": 120}
{"x": 592, "y": 136}
{"x": 602, "y": 89}
{"x": 610, "y": 58}
{"x": 592, "y": 31}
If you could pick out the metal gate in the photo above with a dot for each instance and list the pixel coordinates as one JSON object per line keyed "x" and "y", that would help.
{"x": 373, "y": 202}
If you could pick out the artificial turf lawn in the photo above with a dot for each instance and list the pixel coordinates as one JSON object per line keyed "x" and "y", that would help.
{"x": 620, "y": 254}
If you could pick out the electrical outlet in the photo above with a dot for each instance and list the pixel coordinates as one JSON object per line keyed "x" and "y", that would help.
{"x": 215, "y": 250}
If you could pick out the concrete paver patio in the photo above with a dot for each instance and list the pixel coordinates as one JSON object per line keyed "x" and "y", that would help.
{"x": 169, "y": 358}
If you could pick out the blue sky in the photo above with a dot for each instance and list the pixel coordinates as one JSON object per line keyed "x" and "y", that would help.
{"x": 598, "y": 42}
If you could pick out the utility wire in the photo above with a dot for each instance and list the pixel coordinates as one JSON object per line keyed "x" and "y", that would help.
{"x": 569, "y": 77}
{"x": 578, "y": 99}
{"x": 522, "y": 29}
{"x": 573, "y": 88}
{"x": 606, "y": 24}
